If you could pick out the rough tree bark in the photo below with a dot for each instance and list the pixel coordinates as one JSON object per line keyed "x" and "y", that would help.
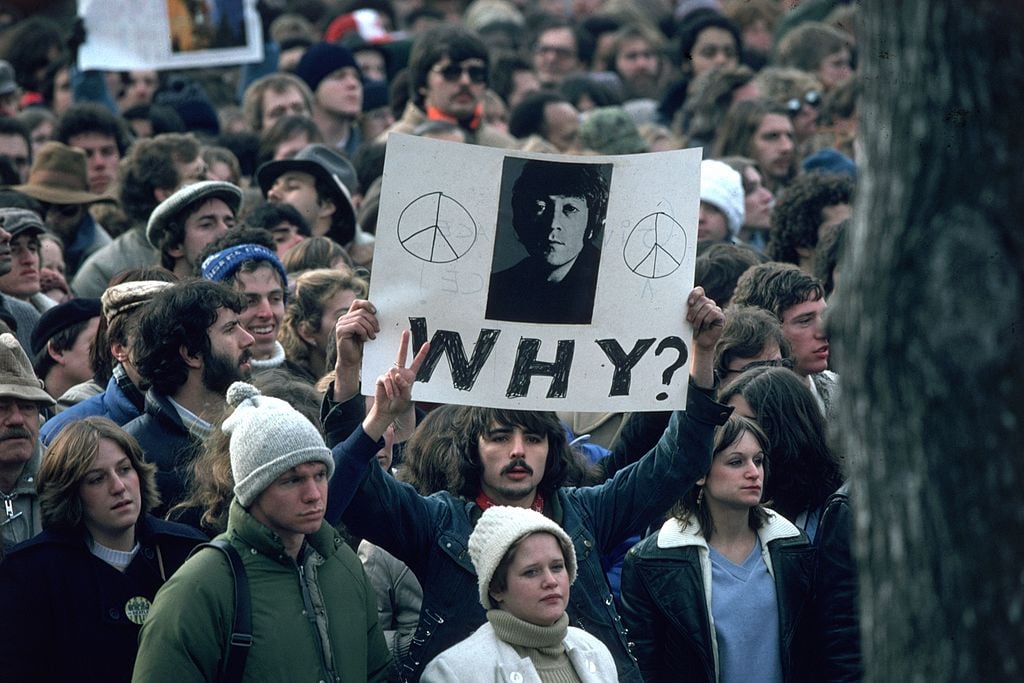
{"x": 930, "y": 338}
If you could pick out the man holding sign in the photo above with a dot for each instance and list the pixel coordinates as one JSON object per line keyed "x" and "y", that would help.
{"x": 517, "y": 458}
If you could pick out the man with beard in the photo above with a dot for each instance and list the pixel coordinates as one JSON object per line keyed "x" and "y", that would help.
{"x": 21, "y": 400}
{"x": 190, "y": 346}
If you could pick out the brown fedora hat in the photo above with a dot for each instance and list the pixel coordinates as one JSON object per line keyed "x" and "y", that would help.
{"x": 58, "y": 176}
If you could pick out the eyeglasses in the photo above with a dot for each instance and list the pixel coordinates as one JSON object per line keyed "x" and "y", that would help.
{"x": 812, "y": 98}
{"x": 453, "y": 72}
{"x": 64, "y": 210}
{"x": 773, "y": 363}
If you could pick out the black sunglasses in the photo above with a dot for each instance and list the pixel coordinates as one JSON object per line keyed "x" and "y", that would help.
{"x": 65, "y": 210}
{"x": 774, "y": 363}
{"x": 453, "y": 72}
{"x": 812, "y": 98}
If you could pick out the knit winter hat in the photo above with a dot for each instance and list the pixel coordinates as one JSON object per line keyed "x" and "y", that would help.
{"x": 501, "y": 526}
{"x": 268, "y": 438}
{"x": 323, "y": 59}
{"x": 722, "y": 187}
{"x": 610, "y": 130}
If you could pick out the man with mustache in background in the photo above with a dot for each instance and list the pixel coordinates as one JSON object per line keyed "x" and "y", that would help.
{"x": 190, "y": 347}
{"x": 448, "y": 74}
{"x": 21, "y": 400}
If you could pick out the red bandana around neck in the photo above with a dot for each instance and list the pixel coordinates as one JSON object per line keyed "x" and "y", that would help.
{"x": 435, "y": 114}
{"x": 483, "y": 502}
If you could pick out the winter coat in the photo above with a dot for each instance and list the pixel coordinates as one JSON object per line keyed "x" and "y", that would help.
{"x": 70, "y": 616}
{"x": 26, "y": 521}
{"x": 168, "y": 444}
{"x": 112, "y": 403}
{"x": 431, "y": 534}
{"x": 128, "y": 250}
{"x": 309, "y": 619}
{"x": 666, "y": 600}
{"x": 485, "y": 657}
{"x": 485, "y": 135}
{"x": 836, "y": 621}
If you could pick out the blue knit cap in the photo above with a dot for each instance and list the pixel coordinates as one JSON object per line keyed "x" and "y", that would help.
{"x": 224, "y": 263}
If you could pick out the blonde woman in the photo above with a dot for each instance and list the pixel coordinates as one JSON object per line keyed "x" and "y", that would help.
{"x": 321, "y": 297}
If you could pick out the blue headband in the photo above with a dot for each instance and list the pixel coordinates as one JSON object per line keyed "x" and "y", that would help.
{"x": 224, "y": 263}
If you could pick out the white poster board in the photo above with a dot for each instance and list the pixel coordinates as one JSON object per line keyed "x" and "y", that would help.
{"x": 451, "y": 265}
{"x": 168, "y": 34}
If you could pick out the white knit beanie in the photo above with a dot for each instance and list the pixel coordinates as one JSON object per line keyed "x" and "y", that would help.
{"x": 722, "y": 187}
{"x": 268, "y": 438}
{"x": 501, "y": 526}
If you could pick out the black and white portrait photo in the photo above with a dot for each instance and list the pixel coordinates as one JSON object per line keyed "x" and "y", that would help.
{"x": 547, "y": 247}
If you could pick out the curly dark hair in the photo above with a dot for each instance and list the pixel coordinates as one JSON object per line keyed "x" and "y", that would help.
{"x": 829, "y": 253}
{"x": 179, "y": 317}
{"x": 88, "y": 117}
{"x": 470, "y": 422}
{"x": 151, "y": 165}
{"x": 776, "y": 287}
{"x": 797, "y": 215}
{"x": 805, "y": 471}
{"x": 721, "y": 265}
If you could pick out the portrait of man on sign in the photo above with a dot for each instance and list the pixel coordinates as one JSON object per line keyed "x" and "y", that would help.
{"x": 557, "y": 216}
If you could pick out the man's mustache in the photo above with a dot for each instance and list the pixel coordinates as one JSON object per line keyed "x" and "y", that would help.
{"x": 517, "y": 464}
{"x": 15, "y": 433}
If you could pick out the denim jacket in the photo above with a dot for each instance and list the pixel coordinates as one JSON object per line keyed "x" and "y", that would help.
{"x": 431, "y": 534}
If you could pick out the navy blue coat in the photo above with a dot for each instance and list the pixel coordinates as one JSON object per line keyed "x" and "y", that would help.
{"x": 166, "y": 443}
{"x": 64, "y": 616}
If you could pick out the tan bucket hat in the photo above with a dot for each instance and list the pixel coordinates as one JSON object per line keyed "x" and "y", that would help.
{"x": 17, "y": 380}
{"x": 58, "y": 176}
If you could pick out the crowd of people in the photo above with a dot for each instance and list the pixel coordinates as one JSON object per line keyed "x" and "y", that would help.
{"x": 189, "y": 468}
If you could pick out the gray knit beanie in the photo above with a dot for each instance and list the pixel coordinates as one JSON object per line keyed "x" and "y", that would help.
{"x": 500, "y": 527}
{"x": 268, "y": 438}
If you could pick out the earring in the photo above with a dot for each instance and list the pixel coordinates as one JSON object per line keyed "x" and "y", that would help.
{"x": 700, "y": 497}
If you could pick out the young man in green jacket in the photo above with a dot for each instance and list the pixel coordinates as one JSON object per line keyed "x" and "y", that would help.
{"x": 314, "y": 613}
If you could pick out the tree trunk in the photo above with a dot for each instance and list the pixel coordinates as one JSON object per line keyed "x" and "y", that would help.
{"x": 930, "y": 338}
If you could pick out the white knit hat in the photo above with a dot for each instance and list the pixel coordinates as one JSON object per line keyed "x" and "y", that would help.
{"x": 268, "y": 438}
{"x": 722, "y": 187}
{"x": 501, "y": 526}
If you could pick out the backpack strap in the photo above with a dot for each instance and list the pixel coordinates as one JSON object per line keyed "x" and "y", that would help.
{"x": 241, "y": 630}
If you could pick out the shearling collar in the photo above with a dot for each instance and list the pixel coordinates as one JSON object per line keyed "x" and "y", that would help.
{"x": 674, "y": 535}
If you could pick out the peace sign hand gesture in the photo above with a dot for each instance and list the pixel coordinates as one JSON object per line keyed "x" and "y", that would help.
{"x": 393, "y": 392}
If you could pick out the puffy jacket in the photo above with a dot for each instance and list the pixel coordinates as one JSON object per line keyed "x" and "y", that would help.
{"x": 66, "y": 611}
{"x": 167, "y": 443}
{"x": 431, "y": 534}
{"x": 112, "y": 403}
{"x": 666, "y": 601}
{"x": 309, "y": 620}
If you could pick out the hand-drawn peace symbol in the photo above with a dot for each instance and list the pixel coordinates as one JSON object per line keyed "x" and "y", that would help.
{"x": 436, "y": 228}
{"x": 655, "y": 247}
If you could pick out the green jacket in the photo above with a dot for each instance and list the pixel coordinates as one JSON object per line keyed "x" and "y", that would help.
{"x": 317, "y": 622}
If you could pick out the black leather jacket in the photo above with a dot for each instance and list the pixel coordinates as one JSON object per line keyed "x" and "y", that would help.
{"x": 836, "y": 620}
{"x": 666, "y": 610}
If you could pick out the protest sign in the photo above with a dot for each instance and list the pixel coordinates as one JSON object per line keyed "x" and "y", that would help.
{"x": 169, "y": 34}
{"x": 542, "y": 282}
